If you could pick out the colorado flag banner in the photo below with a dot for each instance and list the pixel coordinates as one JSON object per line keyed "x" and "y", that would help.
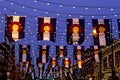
{"x": 14, "y": 28}
{"x": 75, "y": 31}
{"x": 46, "y": 29}
{"x": 24, "y": 53}
{"x": 43, "y": 54}
{"x": 101, "y": 32}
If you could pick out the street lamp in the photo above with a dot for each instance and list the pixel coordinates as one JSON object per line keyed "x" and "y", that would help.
{"x": 95, "y": 32}
{"x": 67, "y": 62}
{"x": 79, "y": 63}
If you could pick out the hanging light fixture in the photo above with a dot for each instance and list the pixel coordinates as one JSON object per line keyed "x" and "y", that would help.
{"x": 95, "y": 32}
{"x": 79, "y": 63}
{"x": 66, "y": 62}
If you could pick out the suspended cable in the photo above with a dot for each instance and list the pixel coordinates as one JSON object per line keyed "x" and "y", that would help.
{"x": 70, "y": 5}
{"x": 63, "y": 13}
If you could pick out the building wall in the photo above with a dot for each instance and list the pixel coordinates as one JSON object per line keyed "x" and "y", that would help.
{"x": 107, "y": 62}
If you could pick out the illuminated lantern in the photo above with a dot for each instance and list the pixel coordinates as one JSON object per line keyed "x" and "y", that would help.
{"x": 75, "y": 31}
{"x": 15, "y": 28}
{"x": 46, "y": 28}
{"x": 66, "y": 62}
{"x": 95, "y": 32}
{"x": 79, "y": 63}
{"x": 53, "y": 62}
{"x": 101, "y": 32}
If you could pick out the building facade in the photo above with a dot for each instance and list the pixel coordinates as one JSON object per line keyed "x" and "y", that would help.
{"x": 110, "y": 61}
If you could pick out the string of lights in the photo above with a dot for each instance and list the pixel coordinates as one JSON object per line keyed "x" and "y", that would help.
{"x": 71, "y": 5}
{"x": 64, "y": 13}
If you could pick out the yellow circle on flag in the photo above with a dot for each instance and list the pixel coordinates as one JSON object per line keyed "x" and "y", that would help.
{"x": 47, "y": 28}
{"x": 24, "y": 51}
{"x": 75, "y": 29}
{"x": 15, "y": 27}
{"x": 44, "y": 52}
{"x": 102, "y": 29}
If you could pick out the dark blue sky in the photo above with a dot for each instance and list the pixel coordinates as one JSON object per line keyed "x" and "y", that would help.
{"x": 60, "y": 9}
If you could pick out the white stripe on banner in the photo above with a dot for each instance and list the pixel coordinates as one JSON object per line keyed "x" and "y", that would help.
{"x": 24, "y": 57}
{"x": 79, "y": 47}
{"x": 75, "y": 36}
{"x": 24, "y": 46}
{"x": 102, "y": 39}
{"x": 100, "y": 21}
{"x": 15, "y": 33}
{"x": 44, "y": 58}
{"x": 79, "y": 53}
{"x": 44, "y": 54}
{"x": 75, "y": 21}
{"x": 61, "y": 47}
{"x": 46, "y": 34}
{"x": 44, "y": 47}
{"x": 46, "y": 19}
{"x": 61, "y": 54}
{"x": 16, "y": 18}
{"x": 95, "y": 47}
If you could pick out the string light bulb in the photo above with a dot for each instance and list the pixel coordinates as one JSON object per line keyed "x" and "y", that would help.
{"x": 73, "y": 7}
{"x": 99, "y": 8}
{"x": 46, "y": 12}
{"x": 12, "y": 3}
{"x": 86, "y": 8}
{"x": 115, "y": 15}
{"x": 48, "y": 3}
{"x": 61, "y": 5}
{"x": 23, "y": 6}
{"x": 111, "y": 9}
{"x": 58, "y": 14}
